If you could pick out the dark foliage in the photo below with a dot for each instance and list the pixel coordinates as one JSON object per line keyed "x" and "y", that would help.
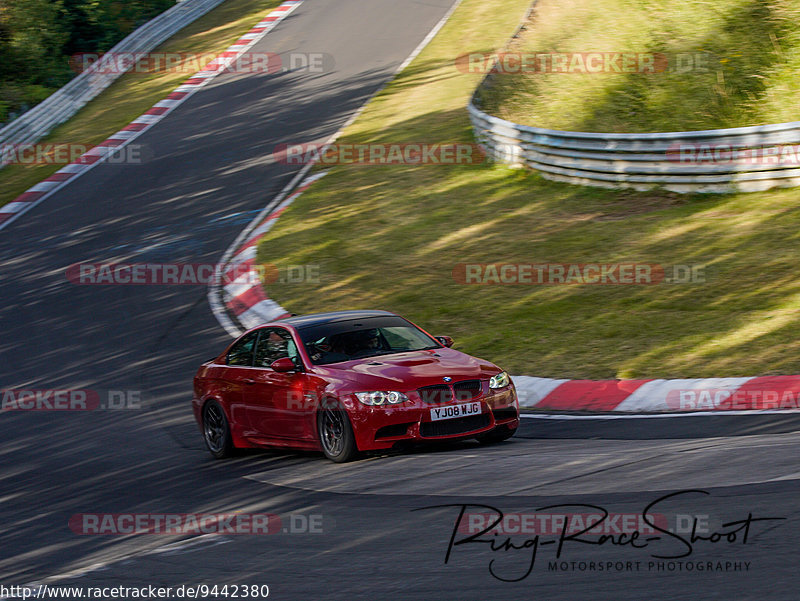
{"x": 38, "y": 38}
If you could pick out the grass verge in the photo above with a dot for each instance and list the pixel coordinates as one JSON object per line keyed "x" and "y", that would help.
{"x": 718, "y": 63}
{"x": 389, "y": 237}
{"x": 133, "y": 93}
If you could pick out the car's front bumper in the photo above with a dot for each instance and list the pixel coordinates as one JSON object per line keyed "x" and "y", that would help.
{"x": 385, "y": 426}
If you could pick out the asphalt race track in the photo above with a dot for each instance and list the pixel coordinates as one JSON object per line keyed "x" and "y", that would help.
{"x": 364, "y": 530}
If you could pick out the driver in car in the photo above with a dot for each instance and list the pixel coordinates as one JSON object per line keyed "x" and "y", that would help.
{"x": 373, "y": 339}
{"x": 368, "y": 341}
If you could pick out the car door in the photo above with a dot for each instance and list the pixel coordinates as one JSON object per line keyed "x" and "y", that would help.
{"x": 274, "y": 401}
{"x": 234, "y": 376}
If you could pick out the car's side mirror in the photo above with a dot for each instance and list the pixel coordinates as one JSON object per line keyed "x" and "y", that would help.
{"x": 283, "y": 365}
{"x": 445, "y": 340}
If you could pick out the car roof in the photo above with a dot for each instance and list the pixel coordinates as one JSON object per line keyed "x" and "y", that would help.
{"x": 315, "y": 319}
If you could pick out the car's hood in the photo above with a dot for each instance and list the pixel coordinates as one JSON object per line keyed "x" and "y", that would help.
{"x": 406, "y": 371}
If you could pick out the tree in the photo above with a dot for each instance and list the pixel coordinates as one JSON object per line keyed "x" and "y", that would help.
{"x": 38, "y": 37}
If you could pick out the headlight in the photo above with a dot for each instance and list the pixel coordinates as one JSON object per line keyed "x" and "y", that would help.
{"x": 381, "y": 397}
{"x": 501, "y": 380}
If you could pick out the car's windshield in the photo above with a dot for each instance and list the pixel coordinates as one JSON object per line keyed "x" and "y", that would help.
{"x": 359, "y": 338}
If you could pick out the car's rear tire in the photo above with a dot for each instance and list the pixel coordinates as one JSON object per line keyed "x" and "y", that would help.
{"x": 336, "y": 434}
{"x": 216, "y": 430}
{"x": 499, "y": 434}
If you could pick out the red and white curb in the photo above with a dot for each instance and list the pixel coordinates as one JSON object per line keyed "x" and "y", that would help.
{"x": 754, "y": 394}
{"x": 244, "y": 296}
{"x": 38, "y": 193}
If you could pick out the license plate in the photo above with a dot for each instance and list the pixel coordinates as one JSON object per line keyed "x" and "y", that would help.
{"x": 451, "y": 411}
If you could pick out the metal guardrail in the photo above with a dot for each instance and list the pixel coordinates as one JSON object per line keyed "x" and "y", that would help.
{"x": 744, "y": 159}
{"x": 740, "y": 159}
{"x": 63, "y": 104}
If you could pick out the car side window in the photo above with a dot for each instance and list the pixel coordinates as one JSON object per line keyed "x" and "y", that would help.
{"x": 274, "y": 344}
{"x": 241, "y": 353}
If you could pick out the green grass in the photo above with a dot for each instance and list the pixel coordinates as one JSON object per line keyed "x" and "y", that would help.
{"x": 389, "y": 237}
{"x": 751, "y": 50}
{"x": 134, "y": 93}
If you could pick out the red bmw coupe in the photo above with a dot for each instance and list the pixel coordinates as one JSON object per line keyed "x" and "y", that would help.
{"x": 346, "y": 382}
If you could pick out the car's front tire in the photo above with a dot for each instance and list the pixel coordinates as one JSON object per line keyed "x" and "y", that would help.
{"x": 499, "y": 434}
{"x": 336, "y": 434}
{"x": 216, "y": 430}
